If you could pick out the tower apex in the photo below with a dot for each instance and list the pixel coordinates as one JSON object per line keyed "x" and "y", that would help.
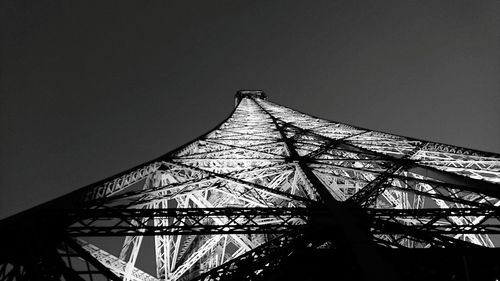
{"x": 248, "y": 93}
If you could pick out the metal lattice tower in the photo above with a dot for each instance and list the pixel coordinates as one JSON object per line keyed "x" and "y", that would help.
{"x": 273, "y": 194}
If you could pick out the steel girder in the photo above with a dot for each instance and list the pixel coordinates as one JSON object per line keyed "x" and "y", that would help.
{"x": 256, "y": 220}
{"x": 266, "y": 186}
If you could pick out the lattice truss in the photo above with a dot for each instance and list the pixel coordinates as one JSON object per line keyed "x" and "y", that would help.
{"x": 253, "y": 189}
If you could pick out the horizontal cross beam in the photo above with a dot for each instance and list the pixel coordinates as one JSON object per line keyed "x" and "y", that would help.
{"x": 186, "y": 221}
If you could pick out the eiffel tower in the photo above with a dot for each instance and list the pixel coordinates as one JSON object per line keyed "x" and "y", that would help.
{"x": 273, "y": 194}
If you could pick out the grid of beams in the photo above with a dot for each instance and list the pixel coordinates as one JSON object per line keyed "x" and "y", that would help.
{"x": 262, "y": 179}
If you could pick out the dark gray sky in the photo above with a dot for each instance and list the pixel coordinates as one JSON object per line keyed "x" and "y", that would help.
{"x": 89, "y": 90}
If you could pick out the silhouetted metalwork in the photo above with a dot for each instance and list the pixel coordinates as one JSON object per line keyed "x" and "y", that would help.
{"x": 272, "y": 193}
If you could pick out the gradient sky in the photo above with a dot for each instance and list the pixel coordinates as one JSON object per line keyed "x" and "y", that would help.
{"x": 91, "y": 89}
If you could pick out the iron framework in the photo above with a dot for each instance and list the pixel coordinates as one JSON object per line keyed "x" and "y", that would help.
{"x": 273, "y": 193}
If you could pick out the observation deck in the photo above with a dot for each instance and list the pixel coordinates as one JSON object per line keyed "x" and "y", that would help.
{"x": 248, "y": 93}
